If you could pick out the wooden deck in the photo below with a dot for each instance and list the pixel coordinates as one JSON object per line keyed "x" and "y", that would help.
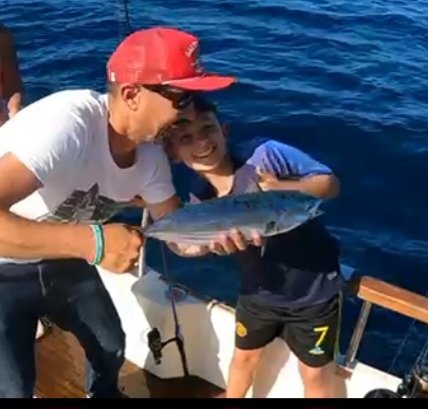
{"x": 60, "y": 374}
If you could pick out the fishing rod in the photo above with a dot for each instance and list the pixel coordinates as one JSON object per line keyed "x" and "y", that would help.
{"x": 413, "y": 385}
{"x": 128, "y": 25}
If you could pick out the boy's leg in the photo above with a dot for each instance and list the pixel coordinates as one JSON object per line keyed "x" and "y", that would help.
{"x": 20, "y": 300}
{"x": 78, "y": 302}
{"x": 313, "y": 336}
{"x": 255, "y": 328}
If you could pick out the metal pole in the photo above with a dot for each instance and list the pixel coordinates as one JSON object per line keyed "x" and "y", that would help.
{"x": 142, "y": 257}
{"x": 358, "y": 333}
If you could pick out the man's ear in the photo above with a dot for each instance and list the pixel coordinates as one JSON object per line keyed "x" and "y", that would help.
{"x": 131, "y": 96}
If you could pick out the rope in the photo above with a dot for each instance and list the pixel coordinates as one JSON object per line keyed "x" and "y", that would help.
{"x": 127, "y": 18}
{"x": 142, "y": 257}
{"x": 124, "y": 21}
{"x": 422, "y": 355}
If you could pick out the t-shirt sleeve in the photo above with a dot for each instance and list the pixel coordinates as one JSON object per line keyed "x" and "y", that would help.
{"x": 286, "y": 161}
{"x": 158, "y": 185}
{"x": 45, "y": 147}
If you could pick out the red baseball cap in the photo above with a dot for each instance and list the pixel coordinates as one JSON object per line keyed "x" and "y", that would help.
{"x": 163, "y": 56}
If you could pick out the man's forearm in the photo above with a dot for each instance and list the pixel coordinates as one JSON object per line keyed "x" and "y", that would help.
{"x": 26, "y": 239}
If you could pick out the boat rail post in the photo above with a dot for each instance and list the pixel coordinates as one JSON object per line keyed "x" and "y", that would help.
{"x": 357, "y": 335}
{"x": 142, "y": 255}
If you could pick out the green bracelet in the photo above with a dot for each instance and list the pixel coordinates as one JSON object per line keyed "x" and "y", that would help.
{"x": 99, "y": 244}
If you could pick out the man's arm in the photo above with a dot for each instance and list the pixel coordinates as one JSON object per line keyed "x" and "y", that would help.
{"x": 22, "y": 238}
{"x": 322, "y": 186}
{"x": 283, "y": 167}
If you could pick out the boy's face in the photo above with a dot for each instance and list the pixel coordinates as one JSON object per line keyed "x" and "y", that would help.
{"x": 198, "y": 140}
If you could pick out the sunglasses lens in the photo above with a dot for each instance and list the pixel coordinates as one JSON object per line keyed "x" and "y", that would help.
{"x": 180, "y": 99}
{"x": 185, "y": 100}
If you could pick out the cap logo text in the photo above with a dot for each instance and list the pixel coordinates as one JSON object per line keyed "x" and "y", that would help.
{"x": 191, "y": 49}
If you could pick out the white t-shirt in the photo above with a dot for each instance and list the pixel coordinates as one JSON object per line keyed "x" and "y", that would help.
{"x": 63, "y": 140}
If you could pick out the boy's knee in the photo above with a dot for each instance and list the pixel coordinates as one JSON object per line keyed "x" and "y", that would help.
{"x": 317, "y": 375}
{"x": 246, "y": 358}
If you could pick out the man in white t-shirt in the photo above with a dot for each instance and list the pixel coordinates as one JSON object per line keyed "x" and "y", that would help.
{"x": 68, "y": 162}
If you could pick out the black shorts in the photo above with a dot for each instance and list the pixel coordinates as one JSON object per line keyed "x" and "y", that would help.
{"x": 310, "y": 332}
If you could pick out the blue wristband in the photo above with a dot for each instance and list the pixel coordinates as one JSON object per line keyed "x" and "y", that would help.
{"x": 99, "y": 244}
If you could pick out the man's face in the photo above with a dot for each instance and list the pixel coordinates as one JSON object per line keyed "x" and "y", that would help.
{"x": 153, "y": 109}
{"x": 197, "y": 139}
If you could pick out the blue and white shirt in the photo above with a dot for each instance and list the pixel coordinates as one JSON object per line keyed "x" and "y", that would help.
{"x": 300, "y": 267}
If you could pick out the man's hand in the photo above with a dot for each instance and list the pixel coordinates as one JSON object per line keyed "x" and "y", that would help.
{"x": 234, "y": 241}
{"x": 122, "y": 246}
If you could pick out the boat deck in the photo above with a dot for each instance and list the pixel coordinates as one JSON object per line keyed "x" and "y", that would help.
{"x": 60, "y": 374}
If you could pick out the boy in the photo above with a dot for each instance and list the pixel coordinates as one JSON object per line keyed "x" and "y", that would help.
{"x": 292, "y": 289}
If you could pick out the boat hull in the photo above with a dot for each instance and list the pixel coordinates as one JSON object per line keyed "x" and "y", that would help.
{"x": 207, "y": 327}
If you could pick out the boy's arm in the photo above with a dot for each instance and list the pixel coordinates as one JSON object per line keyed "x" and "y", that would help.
{"x": 283, "y": 167}
{"x": 322, "y": 186}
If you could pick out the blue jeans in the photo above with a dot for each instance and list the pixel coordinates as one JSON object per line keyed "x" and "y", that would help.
{"x": 71, "y": 293}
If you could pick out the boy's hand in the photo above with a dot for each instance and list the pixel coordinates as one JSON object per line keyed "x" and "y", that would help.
{"x": 267, "y": 181}
{"x": 234, "y": 241}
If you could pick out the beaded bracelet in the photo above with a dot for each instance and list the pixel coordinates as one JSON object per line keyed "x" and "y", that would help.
{"x": 99, "y": 244}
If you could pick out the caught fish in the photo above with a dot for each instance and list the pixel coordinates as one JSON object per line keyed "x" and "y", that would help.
{"x": 268, "y": 213}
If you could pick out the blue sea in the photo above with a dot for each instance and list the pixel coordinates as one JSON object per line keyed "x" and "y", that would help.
{"x": 346, "y": 81}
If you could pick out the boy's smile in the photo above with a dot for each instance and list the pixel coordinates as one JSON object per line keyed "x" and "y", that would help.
{"x": 205, "y": 154}
{"x": 198, "y": 140}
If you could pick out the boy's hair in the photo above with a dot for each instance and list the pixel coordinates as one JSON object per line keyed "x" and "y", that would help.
{"x": 202, "y": 104}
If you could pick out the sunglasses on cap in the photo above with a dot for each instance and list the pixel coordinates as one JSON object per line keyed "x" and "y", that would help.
{"x": 179, "y": 98}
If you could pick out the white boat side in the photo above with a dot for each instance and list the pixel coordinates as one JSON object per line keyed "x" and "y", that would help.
{"x": 208, "y": 331}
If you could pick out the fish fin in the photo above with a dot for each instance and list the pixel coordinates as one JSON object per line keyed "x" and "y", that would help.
{"x": 317, "y": 213}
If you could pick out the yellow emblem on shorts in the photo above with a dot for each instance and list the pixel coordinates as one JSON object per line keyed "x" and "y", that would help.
{"x": 240, "y": 329}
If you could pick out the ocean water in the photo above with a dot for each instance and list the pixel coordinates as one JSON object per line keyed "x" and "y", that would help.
{"x": 344, "y": 81}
